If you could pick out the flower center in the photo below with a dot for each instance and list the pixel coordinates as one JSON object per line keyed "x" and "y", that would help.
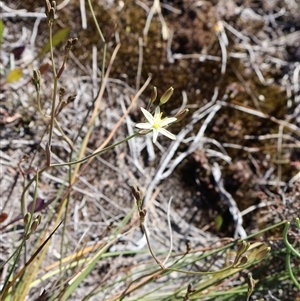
{"x": 156, "y": 125}
{"x": 157, "y": 121}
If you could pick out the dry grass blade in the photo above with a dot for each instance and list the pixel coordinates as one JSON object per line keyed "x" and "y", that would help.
{"x": 24, "y": 284}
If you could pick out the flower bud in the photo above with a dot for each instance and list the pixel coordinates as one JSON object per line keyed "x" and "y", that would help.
{"x": 71, "y": 42}
{"x": 39, "y": 218}
{"x": 47, "y": 7}
{"x": 142, "y": 214}
{"x": 180, "y": 115}
{"x": 51, "y": 15}
{"x": 137, "y": 193}
{"x": 262, "y": 254}
{"x": 190, "y": 289}
{"x": 188, "y": 247}
{"x": 251, "y": 284}
{"x": 243, "y": 247}
{"x": 243, "y": 261}
{"x": 53, "y": 4}
{"x": 74, "y": 41}
{"x": 27, "y": 218}
{"x": 153, "y": 95}
{"x": 48, "y": 154}
{"x": 50, "y": 11}
{"x": 34, "y": 225}
{"x": 71, "y": 98}
{"x": 62, "y": 92}
{"x": 36, "y": 79}
{"x": 166, "y": 96}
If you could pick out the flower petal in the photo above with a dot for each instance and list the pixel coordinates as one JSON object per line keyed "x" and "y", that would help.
{"x": 167, "y": 133}
{"x": 156, "y": 124}
{"x": 148, "y": 116}
{"x": 143, "y": 126}
{"x": 155, "y": 134}
{"x": 167, "y": 121}
{"x": 157, "y": 111}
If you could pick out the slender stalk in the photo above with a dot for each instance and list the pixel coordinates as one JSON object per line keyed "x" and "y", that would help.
{"x": 96, "y": 22}
{"x": 62, "y": 244}
{"x": 289, "y": 251}
{"x": 289, "y": 269}
{"x": 54, "y": 87}
{"x": 102, "y": 39}
{"x": 150, "y": 249}
{"x": 17, "y": 255}
{"x": 286, "y": 241}
{"x": 95, "y": 153}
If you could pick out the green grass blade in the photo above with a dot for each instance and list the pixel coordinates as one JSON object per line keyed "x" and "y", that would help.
{"x": 1, "y": 31}
{"x": 58, "y": 37}
{"x": 79, "y": 278}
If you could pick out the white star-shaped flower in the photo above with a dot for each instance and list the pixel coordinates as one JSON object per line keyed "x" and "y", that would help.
{"x": 156, "y": 124}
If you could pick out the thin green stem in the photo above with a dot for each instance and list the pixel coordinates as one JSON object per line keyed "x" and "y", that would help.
{"x": 70, "y": 143}
{"x": 285, "y": 239}
{"x": 102, "y": 39}
{"x": 150, "y": 249}
{"x": 95, "y": 21}
{"x": 63, "y": 245}
{"x": 54, "y": 87}
{"x": 38, "y": 100}
{"x": 95, "y": 153}
{"x": 17, "y": 255}
{"x": 160, "y": 272}
{"x": 40, "y": 172}
{"x": 29, "y": 184}
{"x": 23, "y": 202}
{"x": 290, "y": 249}
{"x": 289, "y": 269}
